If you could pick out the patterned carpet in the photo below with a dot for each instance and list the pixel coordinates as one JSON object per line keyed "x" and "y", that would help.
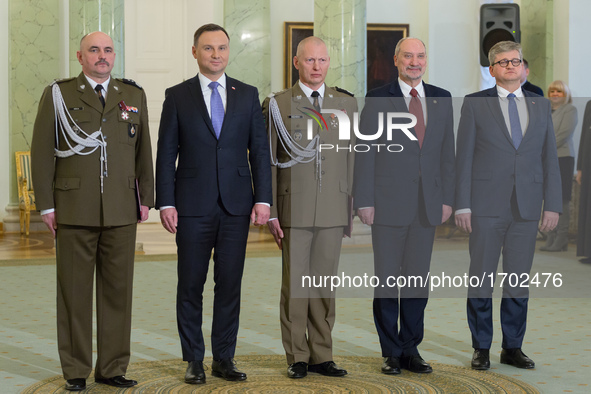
{"x": 266, "y": 374}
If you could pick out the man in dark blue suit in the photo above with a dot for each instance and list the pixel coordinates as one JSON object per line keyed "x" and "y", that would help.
{"x": 403, "y": 196}
{"x": 214, "y": 125}
{"x": 507, "y": 173}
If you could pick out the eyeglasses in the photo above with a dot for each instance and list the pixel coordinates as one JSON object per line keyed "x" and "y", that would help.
{"x": 504, "y": 63}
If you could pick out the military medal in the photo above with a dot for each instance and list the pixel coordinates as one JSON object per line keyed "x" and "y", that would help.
{"x": 125, "y": 107}
{"x": 131, "y": 130}
{"x": 124, "y": 115}
{"x": 334, "y": 122}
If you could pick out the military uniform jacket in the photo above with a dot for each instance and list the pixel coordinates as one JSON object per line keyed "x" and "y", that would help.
{"x": 302, "y": 196}
{"x": 71, "y": 185}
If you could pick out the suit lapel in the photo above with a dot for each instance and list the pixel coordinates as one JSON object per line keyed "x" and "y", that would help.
{"x": 397, "y": 98}
{"x": 231, "y": 103}
{"x": 492, "y": 100}
{"x": 533, "y": 116}
{"x": 301, "y": 104}
{"x": 197, "y": 96}
{"x": 400, "y": 105}
{"x": 113, "y": 95}
{"x": 87, "y": 94}
{"x": 432, "y": 104}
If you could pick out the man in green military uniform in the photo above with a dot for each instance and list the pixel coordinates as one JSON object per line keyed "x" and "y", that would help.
{"x": 91, "y": 166}
{"x": 311, "y": 189}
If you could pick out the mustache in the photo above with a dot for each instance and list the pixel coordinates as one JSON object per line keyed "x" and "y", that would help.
{"x": 102, "y": 62}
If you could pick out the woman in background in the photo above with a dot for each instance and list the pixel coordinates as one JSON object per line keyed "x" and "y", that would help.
{"x": 584, "y": 179}
{"x": 564, "y": 119}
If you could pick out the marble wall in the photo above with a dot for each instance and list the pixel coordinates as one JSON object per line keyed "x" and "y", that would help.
{"x": 36, "y": 46}
{"x": 87, "y": 16}
{"x": 536, "y": 40}
{"x": 248, "y": 24}
{"x": 34, "y": 62}
{"x": 342, "y": 25}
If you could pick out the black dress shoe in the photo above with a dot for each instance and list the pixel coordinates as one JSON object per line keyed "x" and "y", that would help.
{"x": 516, "y": 358}
{"x": 415, "y": 363}
{"x": 117, "y": 381}
{"x": 481, "y": 359}
{"x": 75, "y": 384}
{"x": 328, "y": 368}
{"x": 297, "y": 370}
{"x": 226, "y": 369}
{"x": 391, "y": 366}
{"x": 195, "y": 373}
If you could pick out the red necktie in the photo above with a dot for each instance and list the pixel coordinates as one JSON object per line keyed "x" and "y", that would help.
{"x": 416, "y": 108}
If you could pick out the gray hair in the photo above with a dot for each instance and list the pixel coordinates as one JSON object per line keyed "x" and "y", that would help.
{"x": 501, "y": 47}
{"x": 404, "y": 39}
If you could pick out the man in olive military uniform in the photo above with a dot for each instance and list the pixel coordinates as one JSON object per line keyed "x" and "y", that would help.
{"x": 311, "y": 189}
{"x": 91, "y": 161}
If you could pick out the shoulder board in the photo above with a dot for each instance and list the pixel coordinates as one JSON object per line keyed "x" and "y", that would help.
{"x": 343, "y": 91}
{"x": 130, "y": 82}
{"x": 278, "y": 93}
{"x": 61, "y": 80}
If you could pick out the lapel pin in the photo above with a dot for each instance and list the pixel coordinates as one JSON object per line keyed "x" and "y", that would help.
{"x": 82, "y": 86}
{"x": 434, "y": 101}
{"x": 330, "y": 95}
{"x": 115, "y": 87}
{"x": 298, "y": 97}
{"x": 233, "y": 88}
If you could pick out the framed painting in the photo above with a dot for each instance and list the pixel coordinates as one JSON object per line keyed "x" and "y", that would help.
{"x": 294, "y": 33}
{"x": 381, "y": 42}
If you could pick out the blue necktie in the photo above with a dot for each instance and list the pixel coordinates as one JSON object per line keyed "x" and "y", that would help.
{"x": 516, "y": 133}
{"x": 217, "y": 109}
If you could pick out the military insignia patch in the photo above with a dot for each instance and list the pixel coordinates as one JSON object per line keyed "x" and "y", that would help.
{"x": 131, "y": 130}
{"x": 124, "y": 115}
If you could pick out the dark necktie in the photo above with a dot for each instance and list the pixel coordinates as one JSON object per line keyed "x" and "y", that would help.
{"x": 516, "y": 132}
{"x": 217, "y": 109}
{"x": 316, "y": 103}
{"x": 416, "y": 108}
{"x": 99, "y": 91}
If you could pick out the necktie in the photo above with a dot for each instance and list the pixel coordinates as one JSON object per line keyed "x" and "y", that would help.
{"x": 516, "y": 133}
{"x": 416, "y": 108}
{"x": 316, "y": 103}
{"x": 99, "y": 91}
{"x": 217, "y": 109}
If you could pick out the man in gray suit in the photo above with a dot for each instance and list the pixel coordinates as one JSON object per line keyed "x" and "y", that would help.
{"x": 507, "y": 169}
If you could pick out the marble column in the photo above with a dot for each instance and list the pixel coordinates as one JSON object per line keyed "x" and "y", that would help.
{"x": 34, "y": 62}
{"x": 248, "y": 24}
{"x": 534, "y": 40}
{"x": 342, "y": 25}
{"x": 107, "y": 16}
